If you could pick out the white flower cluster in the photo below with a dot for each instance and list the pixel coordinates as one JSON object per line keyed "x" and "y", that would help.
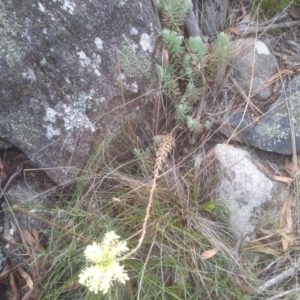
{"x": 104, "y": 268}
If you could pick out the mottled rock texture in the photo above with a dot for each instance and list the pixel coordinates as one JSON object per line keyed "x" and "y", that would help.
{"x": 28, "y": 195}
{"x": 253, "y": 64}
{"x": 253, "y": 201}
{"x": 213, "y": 16}
{"x": 62, "y": 66}
{"x": 277, "y": 129}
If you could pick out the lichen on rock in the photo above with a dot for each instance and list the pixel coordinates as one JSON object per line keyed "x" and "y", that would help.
{"x": 59, "y": 68}
{"x": 133, "y": 61}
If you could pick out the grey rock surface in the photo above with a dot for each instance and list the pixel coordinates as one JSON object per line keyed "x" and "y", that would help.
{"x": 2, "y": 260}
{"x": 4, "y": 144}
{"x": 191, "y": 24}
{"x": 64, "y": 66}
{"x": 31, "y": 197}
{"x": 276, "y": 130}
{"x": 253, "y": 63}
{"x": 252, "y": 199}
{"x": 213, "y": 16}
{"x": 281, "y": 124}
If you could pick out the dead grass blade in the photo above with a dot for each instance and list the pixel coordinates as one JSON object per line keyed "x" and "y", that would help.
{"x": 35, "y": 234}
{"x": 4, "y": 273}
{"x": 272, "y": 232}
{"x": 283, "y": 179}
{"x": 15, "y": 292}
{"x": 286, "y": 222}
{"x": 268, "y": 173}
{"x": 243, "y": 285}
{"x": 244, "y": 13}
{"x": 286, "y": 216}
{"x": 165, "y": 56}
{"x": 31, "y": 241}
{"x": 260, "y": 247}
{"x": 267, "y": 250}
{"x": 273, "y": 78}
{"x": 291, "y": 168}
{"x": 26, "y": 277}
{"x": 209, "y": 253}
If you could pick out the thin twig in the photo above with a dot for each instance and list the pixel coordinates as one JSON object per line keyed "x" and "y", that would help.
{"x": 23, "y": 210}
{"x": 293, "y": 138}
{"x": 263, "y": 271}
{"x": 245, "y": 97}
{"x": 278, "y": 17}
{"x": 257, "y": 29}
{"x": 134, "y": 250}
{"x": 279, "y": 278}
{"x": 286, "y": 293}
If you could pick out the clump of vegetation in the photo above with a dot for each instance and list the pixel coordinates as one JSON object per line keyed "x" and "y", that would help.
{"x": 180, "y": 246}
{"x": 184, "y": 75}
{"x": 144, "y": 200}
{"x": 177, "y": 251}
{"x": 173, "y": 12}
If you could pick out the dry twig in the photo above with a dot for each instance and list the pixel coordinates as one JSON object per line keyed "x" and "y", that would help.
{"x": 278, "y": 17}
{"x": 259, "y": 29}
{"x": 286, "y": 293}
{"x": 161, "y": 155}
{"x": 279, "y": 278}
{"x": 245, "y": 97}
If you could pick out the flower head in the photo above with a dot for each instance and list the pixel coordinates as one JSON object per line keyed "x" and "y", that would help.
{"x": 95, "y": 279}
{"x": 93, "y": 252}
{"x": 119, "y": 248}
{"x": 110, "y": 238}
{"x": 105, "y": 268}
